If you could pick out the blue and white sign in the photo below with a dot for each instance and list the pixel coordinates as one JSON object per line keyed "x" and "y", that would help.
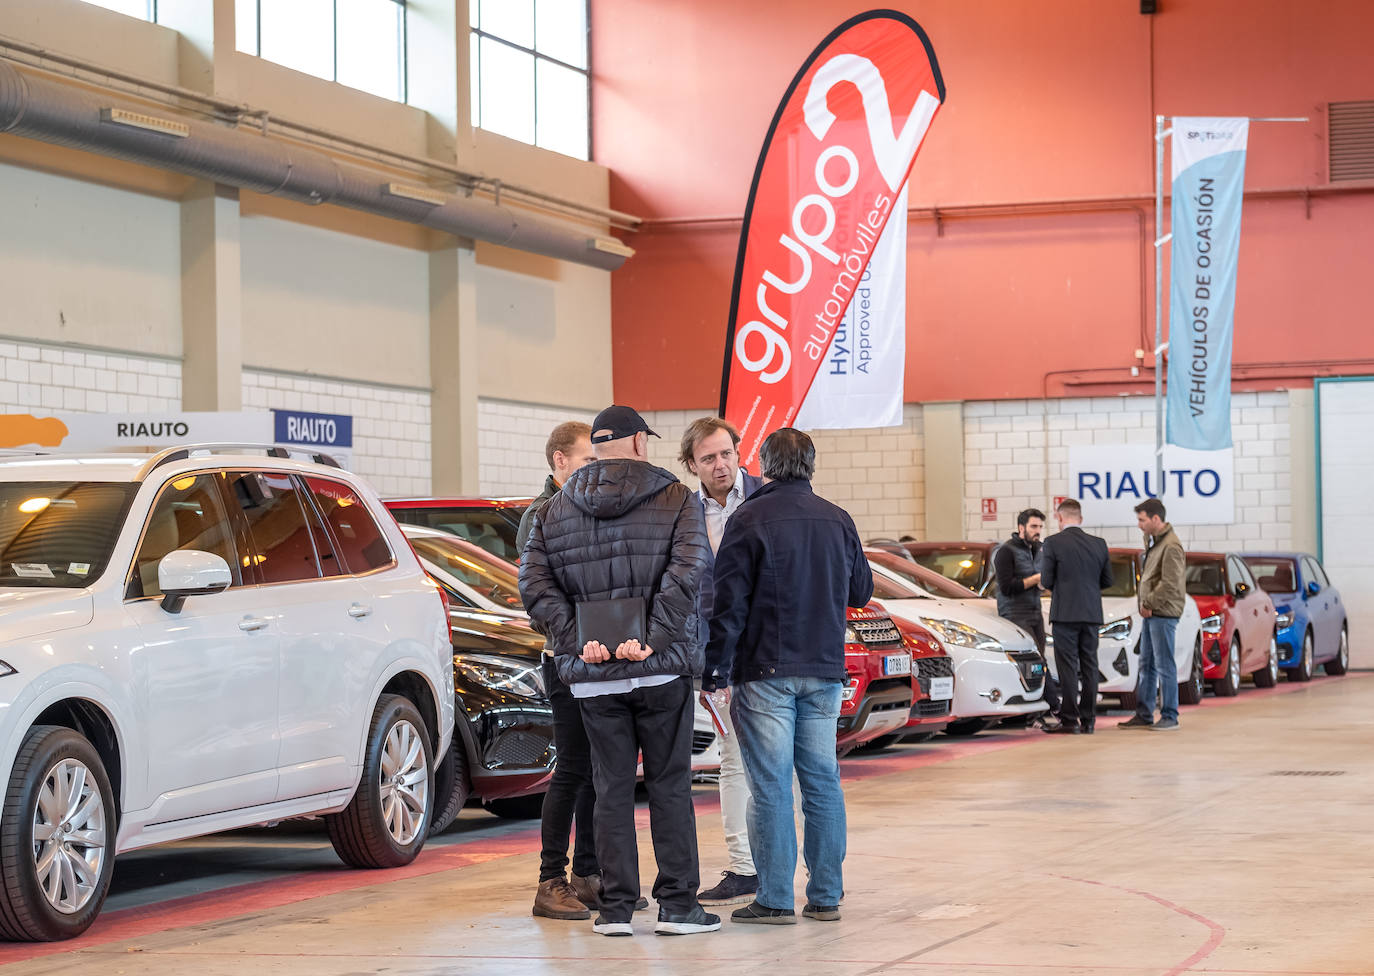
{"x": 320, "y": 430}
{"x": 1111, "y": 480}
{"x": 1208, "y": 184}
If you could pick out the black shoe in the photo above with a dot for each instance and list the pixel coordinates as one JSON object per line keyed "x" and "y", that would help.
{"x": 1136, "y": 722}
{"x": 1063, "y": 729}
{"x": 1089, "y": 727}
{"x": 734, "y": 889}
{"x": 1166, "y": 725}
{"x": 757, "y": 914}
{"x": 604, "y": 926}
{"x": 822, "y": 913}
{"x": 697, "y": 920}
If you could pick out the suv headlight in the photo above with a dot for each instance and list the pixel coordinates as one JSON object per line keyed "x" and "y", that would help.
{"x": 1284, "y": 620}
{"x": 1211, "y": 624}
{"x": 502, "y": 674}
{"x": 961, "y": 635}
{"x": 1116, "y": 629}
{"x": 851, "y": 636}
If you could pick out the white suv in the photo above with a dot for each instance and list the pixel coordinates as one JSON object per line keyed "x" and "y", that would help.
{"x": 199, "y": 640}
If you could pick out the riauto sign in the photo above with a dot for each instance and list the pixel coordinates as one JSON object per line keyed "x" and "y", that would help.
{"x": 115, "y": 431}
{"x": 833, "y": 167}
{"x": 1198, "y": 487}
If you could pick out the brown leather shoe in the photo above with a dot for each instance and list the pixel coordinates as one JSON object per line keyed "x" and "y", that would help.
{"x": 588, "y": 891}
{"x": 558, "y": 899}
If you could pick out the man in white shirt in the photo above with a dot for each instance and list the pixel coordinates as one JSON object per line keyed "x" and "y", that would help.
{"x": 710, "y": 450}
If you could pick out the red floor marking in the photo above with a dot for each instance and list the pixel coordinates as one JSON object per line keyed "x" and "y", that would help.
{"x": 225, "y": 903}
{"x": 1218, "y": 933}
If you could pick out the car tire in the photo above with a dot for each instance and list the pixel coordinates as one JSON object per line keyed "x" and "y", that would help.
{"x": 1268, "y": 676}
{"x": 452, "y": 787}
{"x": 57, "y": 769}
{"x": 1302, "y": 671}
{"x": 1190, "y": 692}
{"x": 1340, "y": 664}
{"x": 880, "y": 743}
{"x": 1228, "y": 685}
{"x": 517, "y": 807}
{"x": 398, "y": 767}
{"x": 964, "y": 727}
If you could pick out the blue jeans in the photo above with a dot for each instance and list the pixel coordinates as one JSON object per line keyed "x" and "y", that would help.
{"x": 787, "y": 724}
{"x": 1157, "y": 667}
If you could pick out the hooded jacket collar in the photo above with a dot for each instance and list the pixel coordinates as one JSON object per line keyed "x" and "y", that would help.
{"x": 610, "y": 488}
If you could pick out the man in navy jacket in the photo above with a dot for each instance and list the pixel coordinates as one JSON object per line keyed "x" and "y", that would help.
{"x": 788, "y": 566}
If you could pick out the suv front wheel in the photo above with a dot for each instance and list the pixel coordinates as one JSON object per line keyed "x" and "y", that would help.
{"x": 388, "y": 819}
{"x": 56, "y": 838}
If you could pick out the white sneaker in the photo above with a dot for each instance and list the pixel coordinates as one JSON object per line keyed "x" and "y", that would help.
{"x": 603, "y": 927}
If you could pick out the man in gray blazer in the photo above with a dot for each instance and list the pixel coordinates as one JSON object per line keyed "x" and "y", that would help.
{"x": 1075, "y": 567}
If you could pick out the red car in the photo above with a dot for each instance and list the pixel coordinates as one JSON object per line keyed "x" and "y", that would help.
{"x": 877, "y": 699}
{"x": 487, "y": 522}
{"x": 1238, "y": 622}
{"x": 933, "y": 693}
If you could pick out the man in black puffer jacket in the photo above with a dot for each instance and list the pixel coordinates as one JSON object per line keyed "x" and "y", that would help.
{"x": 620, "y": 528}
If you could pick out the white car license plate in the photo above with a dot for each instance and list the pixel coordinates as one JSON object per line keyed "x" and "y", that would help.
{"x": 941, "y": 689}
{"x": 897, "y": 664}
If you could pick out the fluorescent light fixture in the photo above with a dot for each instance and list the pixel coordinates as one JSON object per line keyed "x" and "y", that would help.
{"x": 151, "y": 123}
{"x": 609, "y": 245}
{"x": 435, "y": 198}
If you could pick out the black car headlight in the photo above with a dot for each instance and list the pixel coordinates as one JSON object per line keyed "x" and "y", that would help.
{"x": 502, "y": 674}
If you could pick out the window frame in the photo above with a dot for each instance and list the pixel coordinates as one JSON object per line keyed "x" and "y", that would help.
{"x": 233, "y": 518}
{"x": 318, "y": 514}
{"x": 475, "y": 70}
{"x": 252, "y": 543}
{"x": 402, "y": 55}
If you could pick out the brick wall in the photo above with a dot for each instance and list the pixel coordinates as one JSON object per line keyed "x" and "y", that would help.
{"x": 35, "y": 376}
{"x": 391, "y": 428}
{"x": 877, "y": 476}
{"x": 1017, "y": 451}
{"x": 510, "y": 443}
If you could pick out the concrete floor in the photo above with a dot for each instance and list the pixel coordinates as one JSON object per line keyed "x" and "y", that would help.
{"x": 1239, "y": 845}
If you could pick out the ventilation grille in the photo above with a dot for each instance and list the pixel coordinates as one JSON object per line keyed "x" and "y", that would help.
{"x": 1308, "y": 772}
{"x": 1352, "y": 141}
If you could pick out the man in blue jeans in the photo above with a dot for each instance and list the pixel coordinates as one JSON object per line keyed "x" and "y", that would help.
{"x": 1163, "y": 590}
{"x": 788, "y": 565}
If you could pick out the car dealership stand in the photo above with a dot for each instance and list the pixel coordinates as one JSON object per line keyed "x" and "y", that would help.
{"x": 1122, "y": 853}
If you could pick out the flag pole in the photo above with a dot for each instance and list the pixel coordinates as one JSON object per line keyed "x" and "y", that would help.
{"x": 1160, "y": 240}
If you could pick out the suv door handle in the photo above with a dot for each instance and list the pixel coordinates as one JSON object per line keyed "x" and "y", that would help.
{"x": 252, "y": 623}
{"x": 358, "y": 610}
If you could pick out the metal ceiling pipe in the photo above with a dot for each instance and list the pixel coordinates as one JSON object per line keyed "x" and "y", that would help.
{"x": 39, "y": 108}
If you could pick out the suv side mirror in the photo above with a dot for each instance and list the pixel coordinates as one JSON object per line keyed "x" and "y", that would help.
{"x": 1313, "y": 588}
{"x": 1241, "y": 590}
{"x": 190, "y": 572}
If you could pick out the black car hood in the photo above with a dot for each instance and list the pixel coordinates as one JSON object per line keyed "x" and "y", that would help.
{"x": 481, "y": 632}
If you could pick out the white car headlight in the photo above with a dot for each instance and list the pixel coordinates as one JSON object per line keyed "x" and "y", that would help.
{"x": 961, "y": 635}
{"x": 1284, "y": 620}
{"x": 1116, "y": 629}
{"x": 502, "y": 674}
{"x": 851, "y": 636}
{"x": 1211, "y": 624}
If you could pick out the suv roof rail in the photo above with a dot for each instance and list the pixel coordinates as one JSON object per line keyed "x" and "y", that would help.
{"x": 6, "y": 452}
{"x": 185, "y": 451}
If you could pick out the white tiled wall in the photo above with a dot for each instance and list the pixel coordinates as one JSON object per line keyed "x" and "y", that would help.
{"x": 36, "y": 376}
{"x": 391, "y": 428}
{"x": 1017, "y": 451}
{"x": 877, "y": 476}
{"x": 510, "y": 441}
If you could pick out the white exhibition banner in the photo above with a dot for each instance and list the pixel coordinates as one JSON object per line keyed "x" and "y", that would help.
{"x": 130, "y": 431}
{"x": 861, "y": 381}
{"x": 1109, "y": 480}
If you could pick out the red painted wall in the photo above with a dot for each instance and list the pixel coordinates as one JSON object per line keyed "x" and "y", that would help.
{"x": 1050, "y": 101}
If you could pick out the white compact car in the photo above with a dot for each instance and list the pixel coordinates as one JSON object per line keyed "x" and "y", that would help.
{"x": 198, "y": 640}
{"x": 1118, "y": 647}
{"x": 998, "y": 671}
{"x": 492, "y": 584}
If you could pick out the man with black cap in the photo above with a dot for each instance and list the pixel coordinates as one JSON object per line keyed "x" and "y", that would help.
{"x": 624, "y": 534}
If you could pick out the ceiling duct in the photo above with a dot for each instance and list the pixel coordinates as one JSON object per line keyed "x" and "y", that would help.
{"x": 39, "y": 108}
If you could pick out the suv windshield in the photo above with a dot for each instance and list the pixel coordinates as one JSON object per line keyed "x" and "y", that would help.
{"x": 929, "y": 581}
{"x": 963, "y": 566}
{"x": 59, "y": 533}
{"x": 494, "y": 578}
{"x": 493, "y": 529}
{"x": 1123, "y": 575}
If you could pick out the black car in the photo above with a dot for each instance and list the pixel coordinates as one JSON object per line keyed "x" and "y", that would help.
{"x": 503, "y": 752}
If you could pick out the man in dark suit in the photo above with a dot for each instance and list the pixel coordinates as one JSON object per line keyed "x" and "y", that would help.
{"x": 1075, "y": 567}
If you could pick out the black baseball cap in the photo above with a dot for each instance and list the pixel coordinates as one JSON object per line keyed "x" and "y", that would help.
{"x": 616, "y": 422}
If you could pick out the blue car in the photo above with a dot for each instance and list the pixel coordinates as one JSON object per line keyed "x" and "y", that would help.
{"x": 1311, "y": 626}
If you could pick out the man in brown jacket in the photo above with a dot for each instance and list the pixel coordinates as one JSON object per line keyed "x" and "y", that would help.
{"x": 1162, "y": 596}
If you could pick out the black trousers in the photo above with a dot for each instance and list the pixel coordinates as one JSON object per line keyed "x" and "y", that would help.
{"x": 656, "y": 722}
{"x": 1075, "y": 654}
{"x": 571, "y": 796}
{"x": 1034, "y": 624}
